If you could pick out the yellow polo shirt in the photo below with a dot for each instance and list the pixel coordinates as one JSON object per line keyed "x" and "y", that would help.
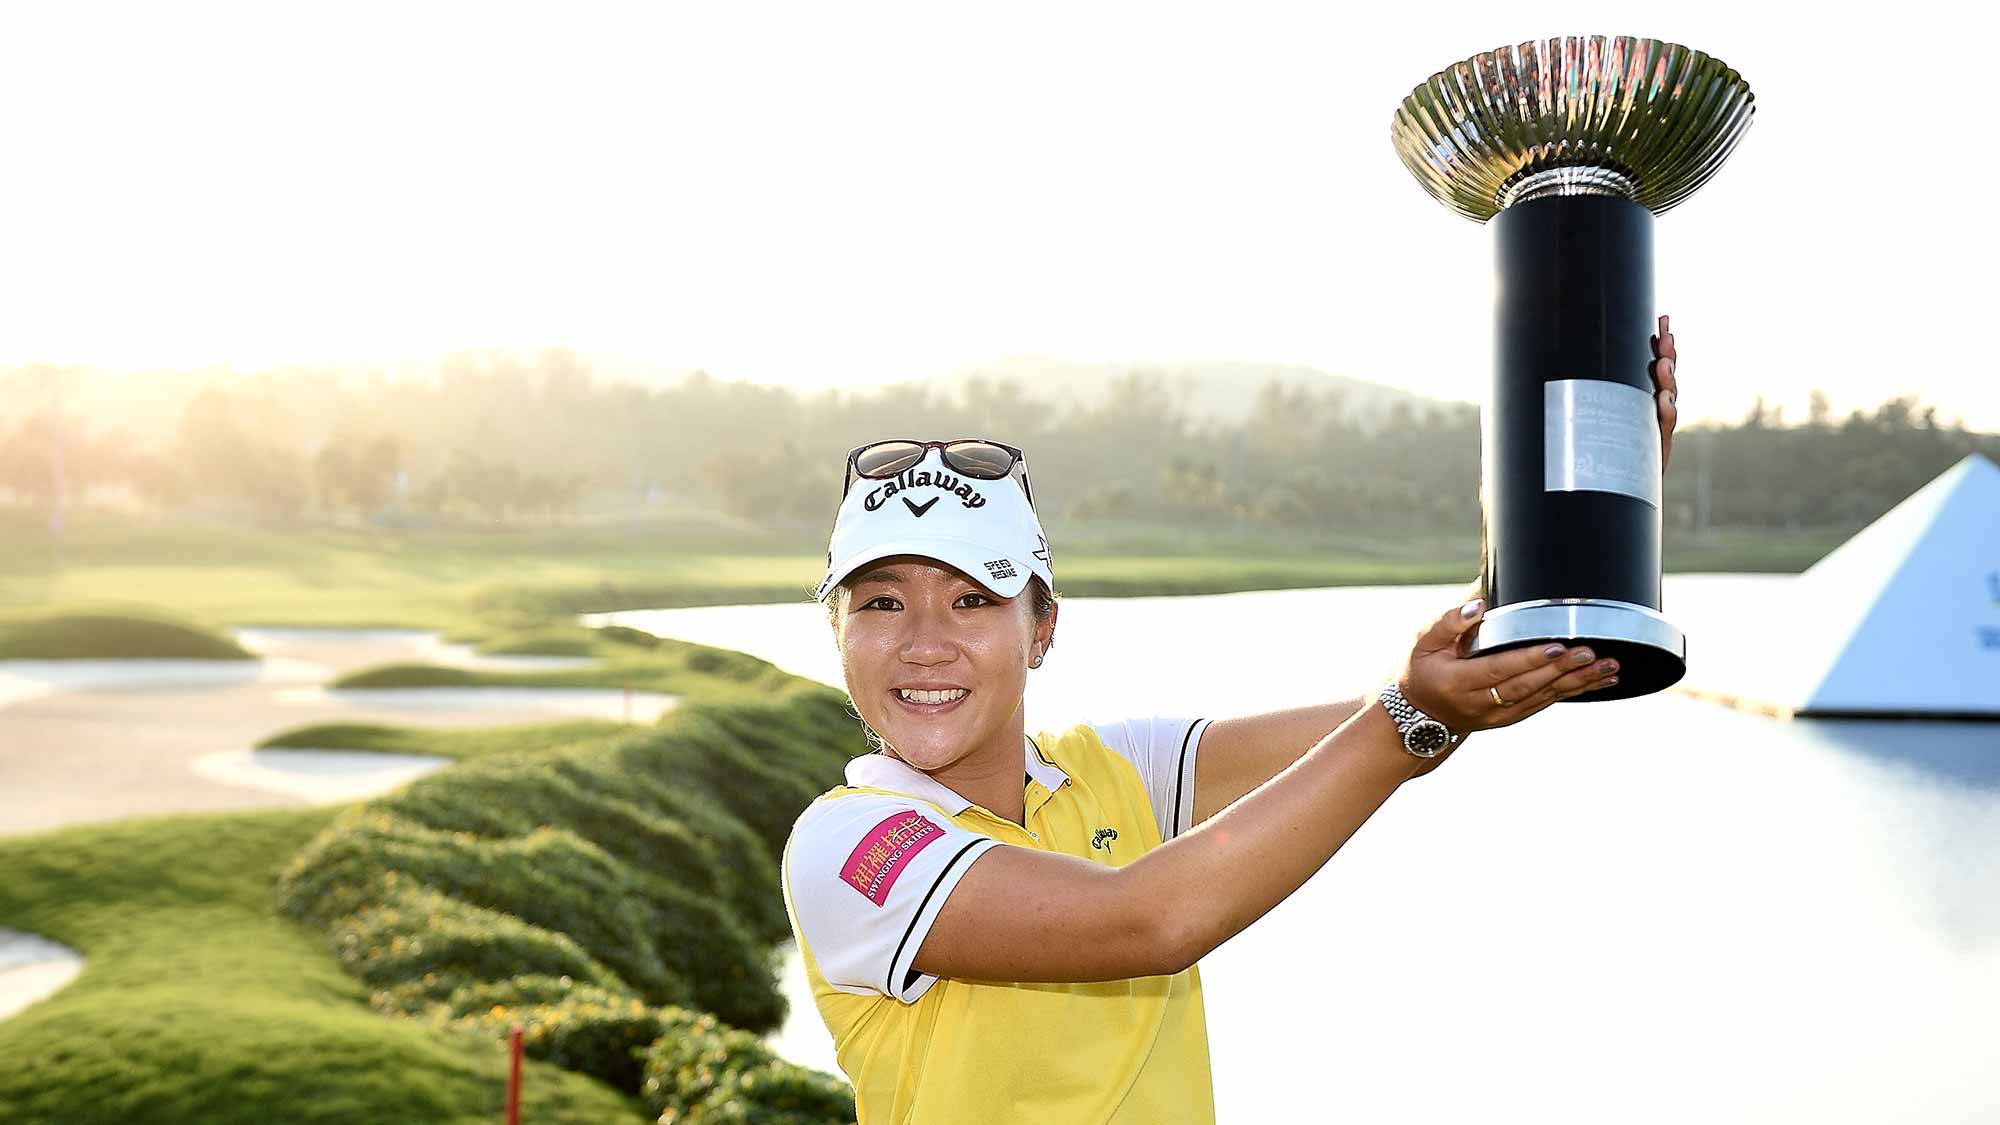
{"x": 868, "y": 867}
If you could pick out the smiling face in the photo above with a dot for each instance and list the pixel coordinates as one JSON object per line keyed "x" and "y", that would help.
{"x": 912, "y": 624}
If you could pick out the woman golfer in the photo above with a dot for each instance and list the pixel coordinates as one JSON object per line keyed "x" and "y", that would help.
{"x": 1003, "y": 926}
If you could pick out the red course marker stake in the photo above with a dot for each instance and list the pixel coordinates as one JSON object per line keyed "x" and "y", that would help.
{"x": 514, "y": 1076}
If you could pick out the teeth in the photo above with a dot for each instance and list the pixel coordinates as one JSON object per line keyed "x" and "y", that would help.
{"x": 932, "y": 696}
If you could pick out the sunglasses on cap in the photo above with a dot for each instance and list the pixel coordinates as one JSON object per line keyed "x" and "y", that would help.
{"x": 974, "y": 457}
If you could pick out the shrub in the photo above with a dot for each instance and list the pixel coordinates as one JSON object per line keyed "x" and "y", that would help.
{"x": 433, "y": 994}
{"x": 525, "y": 990}
{"x": 626, "y": 635}
{"x": 669, "y": 944}
{"x": 594, "y": 1033}
{"x": 761, "y": 763}
{"x": 691, "y": 753}
{"x": 745, "y": 871}
{"x": 708, "y": 1074}
{"x": 777, "y": 1093}
{"x": 542, "y": 642}
{"x": 688, "y": 1066}
{"x": 719, "y": 859}
{"x": 596, "y": 891}
{"x": 727, "y": 664}
{"x": 796, "y": 738}
{"x": 416, "y": 934}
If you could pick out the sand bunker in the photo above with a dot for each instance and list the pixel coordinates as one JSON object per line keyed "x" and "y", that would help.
{"x": 320, "y": 777}
{"x": 23, "y": 680}
{"x": 31, "y": 968}
{"x": 398, "y": 646}
{"x": 90, "y": 741}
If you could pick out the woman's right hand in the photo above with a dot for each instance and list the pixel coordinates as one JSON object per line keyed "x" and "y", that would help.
{"x": 1458, "y": 690}
{"x": 1023, "y": 914}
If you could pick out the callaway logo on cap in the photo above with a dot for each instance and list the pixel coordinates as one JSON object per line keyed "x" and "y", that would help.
{"x": 985, "y": 528}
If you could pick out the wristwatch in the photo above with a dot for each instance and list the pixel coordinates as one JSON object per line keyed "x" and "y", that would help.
{"x": 1422, "y": 735}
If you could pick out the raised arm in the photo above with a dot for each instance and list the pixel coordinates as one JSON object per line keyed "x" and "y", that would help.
{"x": 1023, "y": 915}
{"x": 1238, "y": 755}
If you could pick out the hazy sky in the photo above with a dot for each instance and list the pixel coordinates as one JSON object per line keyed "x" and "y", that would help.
{"x": 822, "y": 194}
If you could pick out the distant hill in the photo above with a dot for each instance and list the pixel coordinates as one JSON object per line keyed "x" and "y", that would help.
{"x": 1208, "y": 392}
{"x": 147, "y": 407}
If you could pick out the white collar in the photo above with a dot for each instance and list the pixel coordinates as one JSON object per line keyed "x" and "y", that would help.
{"x": 880, "y": 771}
{"x": 1044, "y": 769}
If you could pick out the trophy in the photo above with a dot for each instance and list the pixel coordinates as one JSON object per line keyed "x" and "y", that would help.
{"x": 1570, "y": 147}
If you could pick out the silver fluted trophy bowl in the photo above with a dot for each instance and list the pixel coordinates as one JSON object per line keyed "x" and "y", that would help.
{"x": 1567, "y": 149}
{"x": 1584, "y": 115}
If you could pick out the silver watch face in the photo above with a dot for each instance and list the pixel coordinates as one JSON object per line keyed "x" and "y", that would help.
{"x": 1426, "y": 738}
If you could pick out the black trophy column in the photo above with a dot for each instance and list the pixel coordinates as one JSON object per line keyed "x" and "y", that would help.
{"x": 1575, "y": 277}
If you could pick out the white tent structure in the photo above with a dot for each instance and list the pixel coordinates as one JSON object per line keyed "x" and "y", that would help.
{"x": 1903, "y": 620}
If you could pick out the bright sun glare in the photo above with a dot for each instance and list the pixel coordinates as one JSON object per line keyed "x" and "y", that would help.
{"x": 821, "y": 196}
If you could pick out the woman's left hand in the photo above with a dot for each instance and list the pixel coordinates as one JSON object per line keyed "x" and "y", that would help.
{"x": 1665, "y": 389}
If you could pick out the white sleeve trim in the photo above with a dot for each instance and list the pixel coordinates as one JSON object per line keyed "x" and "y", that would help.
{"x": 1163, "y": 750}
{"x": 865, "y": 878}
{"x": 901, "y": 983}
{"x": 1184, "y": 780}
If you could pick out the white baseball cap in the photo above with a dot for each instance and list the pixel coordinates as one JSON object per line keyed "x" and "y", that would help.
{"x": 985, "y": 528}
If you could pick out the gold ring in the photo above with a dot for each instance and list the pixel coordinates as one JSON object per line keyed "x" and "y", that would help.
{"x": 1495, "y": 693}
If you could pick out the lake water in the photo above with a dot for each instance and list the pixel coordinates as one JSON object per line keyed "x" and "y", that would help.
{"x": 1656, "y": 910}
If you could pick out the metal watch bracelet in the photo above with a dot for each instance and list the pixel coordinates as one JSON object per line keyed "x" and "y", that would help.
{"x": 1422, "y": 735}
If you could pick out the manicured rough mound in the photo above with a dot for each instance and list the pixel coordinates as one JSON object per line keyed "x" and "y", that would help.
{"x": 199, "y": 1006}
{"x": 618, "y": 898}
{"x": 106, "y": 636}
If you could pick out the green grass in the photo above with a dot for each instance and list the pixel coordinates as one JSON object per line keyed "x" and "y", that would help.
{"x": 501, "y": 587}
{"x": 638, "y": 865}
{"x": 199, "y": 1003}
{"x": 448, "y": 580}
{"x": 457, "y": 744}
{"x": 213, "y": 992}
{"x": 730, "y": 582}
{"x": 1751, "y": 551}
{"x": 556, "y": 640}
{"x": 112, "y": 636}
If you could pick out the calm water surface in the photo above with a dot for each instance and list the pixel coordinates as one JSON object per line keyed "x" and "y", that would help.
{"x": 1650, "y": 910}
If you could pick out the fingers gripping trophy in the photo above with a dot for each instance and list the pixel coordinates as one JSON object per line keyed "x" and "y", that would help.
{"x": 1568, "y": 148}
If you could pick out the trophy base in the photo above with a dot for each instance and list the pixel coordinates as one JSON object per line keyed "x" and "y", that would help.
{"x": 1651, "y": 653}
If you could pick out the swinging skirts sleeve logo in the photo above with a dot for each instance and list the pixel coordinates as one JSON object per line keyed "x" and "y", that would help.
{"x": 885, "y": 852}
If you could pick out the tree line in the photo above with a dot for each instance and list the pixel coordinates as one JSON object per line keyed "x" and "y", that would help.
{"x": 498, "y": 442}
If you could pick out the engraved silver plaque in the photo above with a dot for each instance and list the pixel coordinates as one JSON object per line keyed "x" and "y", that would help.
{"x": 1600, "y": 436}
